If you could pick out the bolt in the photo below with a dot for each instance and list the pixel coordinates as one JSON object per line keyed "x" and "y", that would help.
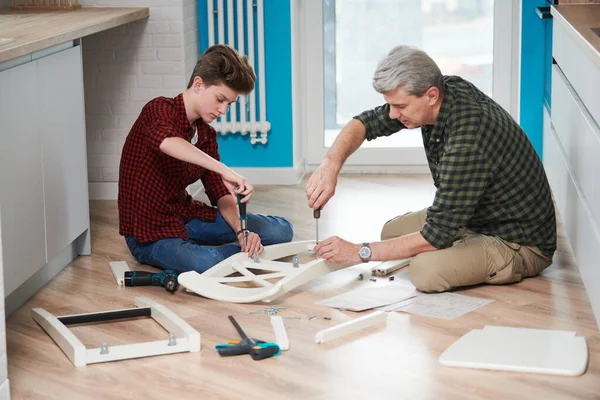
{"x": 256, "y": 259}
{"x": 373, "y": 280}
{"x": 327, "y": 318}
{"x": 296, "y": 262}
{"x": 104, "y": 348}
{"x": 392, "y": 278}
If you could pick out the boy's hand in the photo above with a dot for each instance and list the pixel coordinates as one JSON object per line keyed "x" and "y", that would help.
{"x": 237, "y": 184}
{"x": 253, "y": 244}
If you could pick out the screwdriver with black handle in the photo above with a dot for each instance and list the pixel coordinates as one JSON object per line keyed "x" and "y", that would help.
{"x": 243, "y": 219}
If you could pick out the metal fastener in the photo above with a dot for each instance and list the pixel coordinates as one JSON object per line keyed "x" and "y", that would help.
{"x": 172, "y": 339}
{"x": 104, "y": 348}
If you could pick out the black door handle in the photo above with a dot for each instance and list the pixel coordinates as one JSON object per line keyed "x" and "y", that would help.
{"x": 543, "y": 12}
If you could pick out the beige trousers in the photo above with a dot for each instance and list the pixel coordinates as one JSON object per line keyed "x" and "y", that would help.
{"x": 473, "y": 258}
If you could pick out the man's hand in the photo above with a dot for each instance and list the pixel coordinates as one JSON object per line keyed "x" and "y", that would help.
{"x": 321, "y": 186}
{"x": 338, "y": 251}
{"x": 237, "y": 184}
{"x": 253, "y": 244}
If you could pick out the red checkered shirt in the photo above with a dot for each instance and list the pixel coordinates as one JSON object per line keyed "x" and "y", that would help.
{"x": 153, "y": 201}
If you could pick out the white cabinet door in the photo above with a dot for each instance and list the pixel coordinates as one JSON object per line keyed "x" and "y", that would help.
{"x": 21, "y": 187}
{"x": 62, "y": 127}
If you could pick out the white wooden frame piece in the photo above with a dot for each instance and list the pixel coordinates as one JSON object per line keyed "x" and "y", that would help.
{"x": 182, "y": 336}
{"x": 214, "y": 282}
{"x": 118, "y": 269}
{"x": 351, "y": 326}
{"x": 387, "y": 267}
{"x": 281, "y": 337}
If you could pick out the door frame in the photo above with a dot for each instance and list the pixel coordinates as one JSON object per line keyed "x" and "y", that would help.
{"x": 507, "y": 15}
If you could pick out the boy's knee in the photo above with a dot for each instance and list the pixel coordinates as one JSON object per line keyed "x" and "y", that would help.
{"x": 283, "y": 232}
{"x": 287, "y": 231}
{"x": 424, "y": 275}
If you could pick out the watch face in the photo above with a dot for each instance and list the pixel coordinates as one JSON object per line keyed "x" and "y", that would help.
{"x": 364, "y": 252}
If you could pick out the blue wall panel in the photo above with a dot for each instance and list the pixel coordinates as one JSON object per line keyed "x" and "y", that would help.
{"x": 235, "y": 149}
{"x": 536, "y": 59}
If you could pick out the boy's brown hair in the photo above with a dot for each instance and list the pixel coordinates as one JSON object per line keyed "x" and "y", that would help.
{"x": 222, "y": 64}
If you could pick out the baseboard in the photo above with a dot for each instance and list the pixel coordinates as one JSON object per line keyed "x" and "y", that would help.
{"x": 380, "y": 169}
{"x": 256, "y": 176}
{"x": 5, "y": 390}
{"x": 272, "y": 176}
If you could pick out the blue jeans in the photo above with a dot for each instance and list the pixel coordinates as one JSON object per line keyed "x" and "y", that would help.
{"x": 191, "y": 255}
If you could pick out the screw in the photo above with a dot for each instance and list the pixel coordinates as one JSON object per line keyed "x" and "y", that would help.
{"x": 327, "y": 318}
{"x": 104, "y": 348}
{"x": 311, "y": 317}
{"x": 373, "y": 280}
{"x": 256, "y": 259}
{"x": 296, "y": 262}
{"x": 392, "y": 278}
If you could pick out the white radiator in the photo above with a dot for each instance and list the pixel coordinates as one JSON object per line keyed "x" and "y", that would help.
{"x": 240, "y": 31}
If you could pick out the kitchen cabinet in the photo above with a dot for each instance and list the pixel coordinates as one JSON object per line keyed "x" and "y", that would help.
{"x": 43, "y": 166}
{"x": 21, "y": 177}
{"x": 571, "y": 148}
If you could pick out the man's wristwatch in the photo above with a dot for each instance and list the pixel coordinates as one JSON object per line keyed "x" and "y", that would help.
{"x": 364, "y": 252}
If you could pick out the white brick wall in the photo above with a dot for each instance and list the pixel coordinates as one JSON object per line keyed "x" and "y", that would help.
{"x": 126, "y": 67}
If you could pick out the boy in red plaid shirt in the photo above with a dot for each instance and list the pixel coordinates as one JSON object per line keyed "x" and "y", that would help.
{"x": 171, "y": 146}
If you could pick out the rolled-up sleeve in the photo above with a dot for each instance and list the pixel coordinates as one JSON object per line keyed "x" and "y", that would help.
{"x": 464, "y": 174}
{"x": 161, "y": 126}
{"x": 378, "y": 123}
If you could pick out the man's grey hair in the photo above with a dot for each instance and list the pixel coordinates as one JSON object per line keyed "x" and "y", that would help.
{"x": 410, "y": 68}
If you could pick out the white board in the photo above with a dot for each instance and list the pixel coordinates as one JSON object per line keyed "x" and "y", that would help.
{"x": 519, "y": 349}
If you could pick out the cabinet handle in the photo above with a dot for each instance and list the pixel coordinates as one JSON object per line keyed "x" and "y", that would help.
{"x": 543, "y": 12}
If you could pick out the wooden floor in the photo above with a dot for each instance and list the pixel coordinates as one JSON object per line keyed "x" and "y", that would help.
{"x": 398, "y": 361}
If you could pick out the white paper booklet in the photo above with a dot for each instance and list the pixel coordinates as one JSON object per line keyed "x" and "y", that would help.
{"x": 439, "y": 305}
{"x": 371, "y": 296}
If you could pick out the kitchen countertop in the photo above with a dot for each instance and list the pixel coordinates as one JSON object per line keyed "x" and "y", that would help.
{"x": 581, "y": 19}
{"x": 32, "y": 31}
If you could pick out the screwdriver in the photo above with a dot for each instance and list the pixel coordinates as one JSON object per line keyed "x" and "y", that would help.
{"x": 243, "y": 219}
{"x": 317, "y": 215}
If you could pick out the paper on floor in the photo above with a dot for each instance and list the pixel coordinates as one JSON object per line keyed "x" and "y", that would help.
{"x": 371, "y": 296}
{"x": 439, "y": 305}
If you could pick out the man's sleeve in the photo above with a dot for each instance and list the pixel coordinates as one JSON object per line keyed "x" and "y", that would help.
{"x": 377, "y": 122}
{"x": 463, "y": 175}
{"x": 213, "y": 184}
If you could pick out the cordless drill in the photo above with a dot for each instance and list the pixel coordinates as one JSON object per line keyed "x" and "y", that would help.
{"x": 166, "y": 279}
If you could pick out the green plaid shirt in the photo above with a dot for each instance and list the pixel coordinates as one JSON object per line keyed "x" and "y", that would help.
{"x": 488, "y": 176}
